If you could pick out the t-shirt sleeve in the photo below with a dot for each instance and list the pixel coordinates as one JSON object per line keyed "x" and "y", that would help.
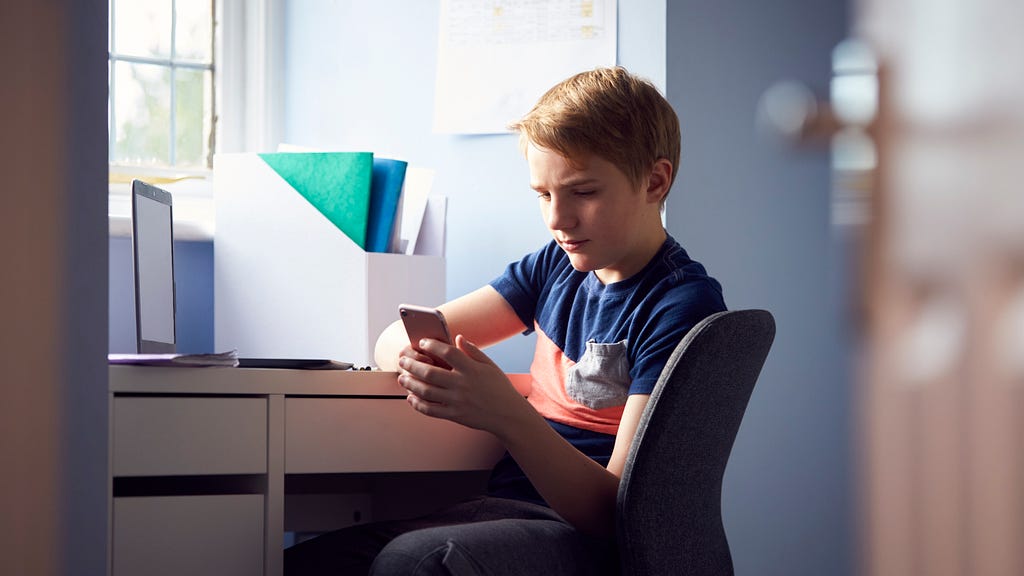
{"x": 522, "y": 282}
{"x": 665, "y": 329}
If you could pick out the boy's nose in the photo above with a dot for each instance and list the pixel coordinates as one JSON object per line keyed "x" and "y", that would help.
{"x": 559, "y": 216}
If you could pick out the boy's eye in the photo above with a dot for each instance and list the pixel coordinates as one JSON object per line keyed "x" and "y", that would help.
{"x": 584, "y": 192}
{"x": 544, "y": 195}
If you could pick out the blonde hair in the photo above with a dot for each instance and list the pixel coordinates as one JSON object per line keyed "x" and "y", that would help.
{"x": 608, "y": 112}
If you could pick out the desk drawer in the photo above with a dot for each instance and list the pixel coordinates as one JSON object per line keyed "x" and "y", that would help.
{"x": 335, "y": 435}
{"x": 169, "y": 436}
{"x": 192, "y": 535}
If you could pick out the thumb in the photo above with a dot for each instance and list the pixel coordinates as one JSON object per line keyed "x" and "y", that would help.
{"x": 471, "y": 350}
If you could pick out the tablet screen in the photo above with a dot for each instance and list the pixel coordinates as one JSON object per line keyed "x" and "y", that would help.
{"x": 153, "y": 250}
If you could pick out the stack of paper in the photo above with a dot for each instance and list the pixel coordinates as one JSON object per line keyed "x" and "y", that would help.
{"x": 221, "y": 359}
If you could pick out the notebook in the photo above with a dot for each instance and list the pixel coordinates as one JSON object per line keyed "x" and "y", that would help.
{"x": 155, "y": 295}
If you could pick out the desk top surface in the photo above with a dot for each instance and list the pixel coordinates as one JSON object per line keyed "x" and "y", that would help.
{"x": 259, "y": 381}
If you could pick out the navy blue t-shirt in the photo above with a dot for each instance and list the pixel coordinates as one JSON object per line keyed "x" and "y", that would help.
{"x": 597, "y": 344}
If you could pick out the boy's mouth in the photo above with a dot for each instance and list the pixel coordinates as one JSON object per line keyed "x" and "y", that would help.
{"x": 571, "y": 245}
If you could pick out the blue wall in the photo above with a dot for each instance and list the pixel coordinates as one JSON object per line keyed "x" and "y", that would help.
{"x": 756, "y": 210}
{"x": 193, "y": 274}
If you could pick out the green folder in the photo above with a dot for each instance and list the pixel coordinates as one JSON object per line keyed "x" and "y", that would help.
{"x": 335, "y": 183}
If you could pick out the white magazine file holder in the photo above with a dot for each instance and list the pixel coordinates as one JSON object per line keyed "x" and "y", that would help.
{"x": 289, "y": 284}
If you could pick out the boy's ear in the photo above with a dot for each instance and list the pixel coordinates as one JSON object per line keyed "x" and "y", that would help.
{"x": 659, "y": 181}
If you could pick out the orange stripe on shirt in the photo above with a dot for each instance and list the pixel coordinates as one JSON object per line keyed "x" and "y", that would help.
{"x": 548, "y": 396}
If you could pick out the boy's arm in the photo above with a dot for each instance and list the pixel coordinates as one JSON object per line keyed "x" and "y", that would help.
{"x": 483, "y": 316}
{"x": 475, "y": 393}
{"x": 578, "y": 488}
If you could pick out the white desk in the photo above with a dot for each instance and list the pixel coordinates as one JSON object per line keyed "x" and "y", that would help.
{"x": 199, "y": 458}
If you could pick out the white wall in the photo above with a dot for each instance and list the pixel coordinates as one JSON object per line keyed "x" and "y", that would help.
{"x": 360, "y": 76}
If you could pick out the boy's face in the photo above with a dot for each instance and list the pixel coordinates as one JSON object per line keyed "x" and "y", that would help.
{"x": 605, "y": 223}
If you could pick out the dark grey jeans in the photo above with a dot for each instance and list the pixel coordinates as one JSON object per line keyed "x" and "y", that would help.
{"x": 485, "y": 536}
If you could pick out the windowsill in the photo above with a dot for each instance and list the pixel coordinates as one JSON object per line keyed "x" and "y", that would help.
{"x": 193, "y": 209}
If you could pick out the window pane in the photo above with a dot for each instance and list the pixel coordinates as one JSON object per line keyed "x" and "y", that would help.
{"x": 142, "y": 28}
{"x": 193, "y": 117}
{"x": 142, "y": 104}
{"x": 194, "y": 28}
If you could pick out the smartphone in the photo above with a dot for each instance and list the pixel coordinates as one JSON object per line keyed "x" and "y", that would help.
{"x": 421, "y": 322}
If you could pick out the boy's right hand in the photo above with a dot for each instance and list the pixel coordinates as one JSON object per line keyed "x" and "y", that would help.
{"x": 421, "y": 356}
{"x": 474, "y": 391}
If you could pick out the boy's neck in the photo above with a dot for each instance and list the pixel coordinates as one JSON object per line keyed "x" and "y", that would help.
{"x": 643, "y": 255}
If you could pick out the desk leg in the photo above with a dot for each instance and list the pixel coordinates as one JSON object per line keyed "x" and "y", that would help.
{"x": 274, "y": 499}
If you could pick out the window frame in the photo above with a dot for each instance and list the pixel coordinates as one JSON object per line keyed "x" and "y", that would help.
{"x": 248, "y": 47}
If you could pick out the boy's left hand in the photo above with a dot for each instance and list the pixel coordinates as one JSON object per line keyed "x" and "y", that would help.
{"x": 474, "y": 392}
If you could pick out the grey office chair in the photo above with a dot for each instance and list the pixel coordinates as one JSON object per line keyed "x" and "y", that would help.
{"x": 669, "y": 502}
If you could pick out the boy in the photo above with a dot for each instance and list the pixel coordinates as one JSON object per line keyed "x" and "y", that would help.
{"x": 610, "y": 297}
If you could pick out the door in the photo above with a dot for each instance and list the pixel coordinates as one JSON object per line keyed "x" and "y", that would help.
{"x": 942, "y": 390}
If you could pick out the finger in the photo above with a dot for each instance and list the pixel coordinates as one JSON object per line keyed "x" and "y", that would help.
{"x": 422, "y": 390}
{"x": 422, "y": 406}
{"x": 431, "y": 346}
{"x": 471, "y": 349}
{"x": 426, "y": 397}
{"x": 438, "y": 350}
{"x": 465, "y": 356}
{"x": 410, "y": 352}
{"x": 428, "y": 372}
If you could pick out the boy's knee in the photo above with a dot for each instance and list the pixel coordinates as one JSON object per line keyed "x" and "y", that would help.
{"x": 419, "y": 555}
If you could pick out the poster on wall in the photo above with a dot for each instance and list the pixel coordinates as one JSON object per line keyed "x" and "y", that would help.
{"x": 497, "y": 57}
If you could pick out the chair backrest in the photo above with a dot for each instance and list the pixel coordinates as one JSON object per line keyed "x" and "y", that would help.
{"x": 670, "y": 497}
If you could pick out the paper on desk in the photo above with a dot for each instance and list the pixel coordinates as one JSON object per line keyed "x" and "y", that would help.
{"x": 229, "y": 358}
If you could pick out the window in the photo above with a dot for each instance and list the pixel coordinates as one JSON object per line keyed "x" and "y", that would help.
{"x": 161, "y": 73}
{"x": 189, "y": 78}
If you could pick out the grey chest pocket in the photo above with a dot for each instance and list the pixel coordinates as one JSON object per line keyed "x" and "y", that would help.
{"x": 601, "y": 378}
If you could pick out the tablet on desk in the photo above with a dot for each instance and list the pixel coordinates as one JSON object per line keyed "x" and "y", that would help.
{"x": 153, "y": 269}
